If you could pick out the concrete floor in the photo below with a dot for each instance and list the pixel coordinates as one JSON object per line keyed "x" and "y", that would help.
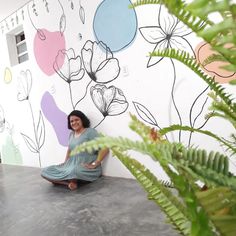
{"x": 30, "y": 206}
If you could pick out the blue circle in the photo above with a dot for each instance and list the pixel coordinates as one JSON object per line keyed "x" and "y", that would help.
{"x": 115, "y": 24}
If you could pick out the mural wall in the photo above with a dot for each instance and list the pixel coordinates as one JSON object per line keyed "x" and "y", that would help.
{"x": 93, "y": 56}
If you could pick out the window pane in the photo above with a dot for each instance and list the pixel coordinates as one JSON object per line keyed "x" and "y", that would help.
{"x": 20, "y": 37}
{"x": 21, "y": 48}
{"x": 23, "y": 58}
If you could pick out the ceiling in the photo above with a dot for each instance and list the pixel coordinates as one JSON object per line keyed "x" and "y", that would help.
{"x": 7, "y": 7}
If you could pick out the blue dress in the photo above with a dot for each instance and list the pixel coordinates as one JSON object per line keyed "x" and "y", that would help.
{"x": 73, "y": 168}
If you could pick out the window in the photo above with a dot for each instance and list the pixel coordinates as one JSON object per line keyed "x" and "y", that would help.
{"x": 17, "y": 48}
{"x": 21, "y": 47}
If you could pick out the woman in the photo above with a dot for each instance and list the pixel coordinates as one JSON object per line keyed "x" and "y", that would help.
{"x": 82, "y": 166}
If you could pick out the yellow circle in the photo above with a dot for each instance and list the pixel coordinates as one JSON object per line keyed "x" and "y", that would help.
{"x": 7, "y": 76}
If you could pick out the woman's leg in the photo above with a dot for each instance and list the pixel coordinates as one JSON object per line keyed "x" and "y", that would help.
{"x": 71, "y": 184}
{"x": 62, "y": 182}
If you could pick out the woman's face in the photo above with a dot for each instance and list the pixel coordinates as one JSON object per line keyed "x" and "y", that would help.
{"x": 76, "y": 123}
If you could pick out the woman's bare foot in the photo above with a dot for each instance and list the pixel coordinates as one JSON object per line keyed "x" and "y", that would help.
{"x": 72, "y": 185}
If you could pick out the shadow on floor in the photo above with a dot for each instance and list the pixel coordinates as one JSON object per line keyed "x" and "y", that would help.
{"x": 31, "y": 206}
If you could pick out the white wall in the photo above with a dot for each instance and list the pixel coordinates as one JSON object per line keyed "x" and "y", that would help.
{"x": 150, "y": 87}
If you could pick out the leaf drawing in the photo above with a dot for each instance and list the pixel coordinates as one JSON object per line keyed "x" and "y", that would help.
{"x": 82, "y": 14}
{"x": 145, "y": 114}
{"x": 62, "y": 23}
{"x": 30, "y": 143}
{"x": 40, "y": 131}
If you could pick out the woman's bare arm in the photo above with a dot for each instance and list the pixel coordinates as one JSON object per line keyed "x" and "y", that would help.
{"x": 101, "y": 155}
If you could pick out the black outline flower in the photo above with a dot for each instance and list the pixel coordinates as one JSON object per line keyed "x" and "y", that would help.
{"x": 169, "y": 33}
{"x": 71, "y": 69}
{"x": 109, "y": 101}
{"x": 24, "y": 85}
{"x": 99, "y": 62}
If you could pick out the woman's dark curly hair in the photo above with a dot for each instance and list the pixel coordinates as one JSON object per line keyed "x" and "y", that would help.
{"x": 85, "y": 120}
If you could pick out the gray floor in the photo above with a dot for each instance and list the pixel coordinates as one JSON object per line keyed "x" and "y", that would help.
{"x": 30, "y": 206}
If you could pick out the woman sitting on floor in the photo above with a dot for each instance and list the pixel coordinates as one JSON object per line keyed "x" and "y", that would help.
{"x": 83, "y": 166}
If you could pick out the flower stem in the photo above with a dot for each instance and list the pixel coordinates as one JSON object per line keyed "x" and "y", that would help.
{"x": 99, "y": 122}
{"x": 173, "y": 98}
{"x": 71, "y": 99}
{"x": 84, "y": 94}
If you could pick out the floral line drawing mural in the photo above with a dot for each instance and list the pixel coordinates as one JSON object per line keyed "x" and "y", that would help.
{"x": 40, "y": 32}
{"x": 109, "y": 101}
{"x": 24, "y": 88}
{"x": 169, "y": 33}
{"x": 102, "y": 68}
{"x": 71, "y": 70}
{"x": 10, "y": 153}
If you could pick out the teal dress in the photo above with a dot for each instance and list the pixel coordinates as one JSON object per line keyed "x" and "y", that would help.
{"x": 73, "y": 168}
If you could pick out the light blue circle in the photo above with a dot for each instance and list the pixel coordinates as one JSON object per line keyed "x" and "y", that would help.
{"x": 115, "y": 24}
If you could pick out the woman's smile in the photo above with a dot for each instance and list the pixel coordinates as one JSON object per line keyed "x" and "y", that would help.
{"x": 76, "y": 124}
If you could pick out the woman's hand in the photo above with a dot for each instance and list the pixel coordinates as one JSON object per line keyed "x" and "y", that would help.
{"x": 92, "y": 165}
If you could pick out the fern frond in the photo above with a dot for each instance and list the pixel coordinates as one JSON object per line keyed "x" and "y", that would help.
{"x": 192, "y": 64}
{"x": 168, "y": 202}
{"x": 144, "y": 131}
{"x": 213, "y": 58}
{"x": 178, "y": 9}
{"x": 166, "y": 183}
{"x": 144, "y": 2}
{"x": 212, "y": 176}
{"x": 173, "y": 154}
{"x": 216, "y": 199}
{"x": 225, "y": 111}
{"x": 226, "y": 223}
{"x": 219, "y": 34}
{"x": 171, "y": 128}
{"x": 203, "y": 8}
{"x": 120, "y": 142}
{"x": 220, "y": 204}
{"x": 212, "y": 168}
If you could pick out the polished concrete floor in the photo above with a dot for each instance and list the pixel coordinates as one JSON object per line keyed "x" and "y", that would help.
{"x": 30, "y": 206}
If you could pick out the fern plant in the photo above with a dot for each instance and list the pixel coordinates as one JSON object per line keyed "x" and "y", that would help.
{"x": 202, "y": 197}
{"x": 206, "y": 209}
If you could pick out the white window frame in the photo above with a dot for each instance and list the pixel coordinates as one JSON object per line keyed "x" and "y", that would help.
{"x": 12, "y": 46}
{"x": 19, "y": 44}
